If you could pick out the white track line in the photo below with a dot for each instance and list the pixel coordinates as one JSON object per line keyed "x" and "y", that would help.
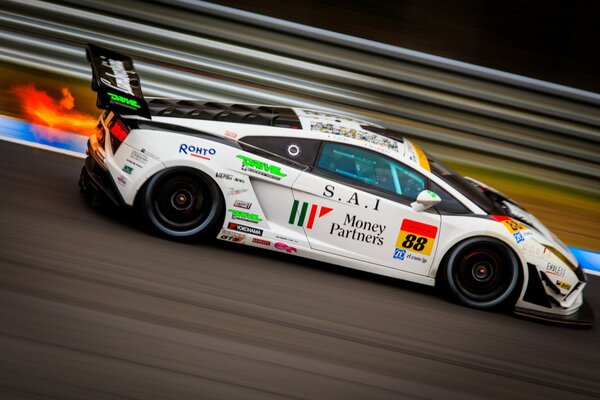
{"x": 43, "y": 147}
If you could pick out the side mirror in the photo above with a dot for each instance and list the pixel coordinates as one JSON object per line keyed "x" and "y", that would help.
{"x": 425, "y": 200}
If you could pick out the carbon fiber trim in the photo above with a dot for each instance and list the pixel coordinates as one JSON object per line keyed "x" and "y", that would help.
{"x": 535, "y": 292}
{"x": 584, "y": 317}
{"x": 239, "y": 113}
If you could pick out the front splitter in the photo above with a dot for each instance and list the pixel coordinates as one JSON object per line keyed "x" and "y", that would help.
{"x": 584, "y": 317}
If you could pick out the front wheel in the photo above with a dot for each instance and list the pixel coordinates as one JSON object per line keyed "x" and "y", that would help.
{"x": 181, "y": 204}
{"x": 482, "y": 273}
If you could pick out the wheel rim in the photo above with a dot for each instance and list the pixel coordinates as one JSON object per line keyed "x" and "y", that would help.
{"x": 181, "y": 203}
{"x": 483, "y": 275}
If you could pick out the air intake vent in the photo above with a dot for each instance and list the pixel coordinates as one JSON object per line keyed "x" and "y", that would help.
{"x": 239, "y": 113}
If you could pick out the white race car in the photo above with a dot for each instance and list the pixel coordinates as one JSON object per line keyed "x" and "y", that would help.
{"x": 325, "y": 187}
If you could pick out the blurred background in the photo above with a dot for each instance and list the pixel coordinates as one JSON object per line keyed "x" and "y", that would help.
{"x": 506, "y": 92}
{"x": 93, "y": 307}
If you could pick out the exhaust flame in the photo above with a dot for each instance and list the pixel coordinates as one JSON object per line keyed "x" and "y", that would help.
{"x": 41, "y": 109}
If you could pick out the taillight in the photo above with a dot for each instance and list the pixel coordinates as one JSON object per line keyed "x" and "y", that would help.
{"x": 118, "y": 133}
{"x": 118, "y": 130}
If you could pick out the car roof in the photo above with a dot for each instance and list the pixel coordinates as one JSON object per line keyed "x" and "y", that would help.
{"x": 346, "y": 129}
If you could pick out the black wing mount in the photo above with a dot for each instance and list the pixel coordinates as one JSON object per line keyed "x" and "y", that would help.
{"x": 117, "y": 83}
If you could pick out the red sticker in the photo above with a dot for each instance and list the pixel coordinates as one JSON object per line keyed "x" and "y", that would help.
{"x": 419, "y": 228}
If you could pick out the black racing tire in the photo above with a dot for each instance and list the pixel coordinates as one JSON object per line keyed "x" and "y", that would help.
{"x": 181, "y": 204}
{"x": 483, "y": 273}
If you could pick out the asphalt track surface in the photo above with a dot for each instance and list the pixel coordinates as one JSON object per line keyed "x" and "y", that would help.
{"x": 93, "y": 307}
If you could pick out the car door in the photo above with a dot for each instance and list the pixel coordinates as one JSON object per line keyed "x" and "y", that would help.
{"x": 293, "y": 155}
{"x": 355, "y": 203}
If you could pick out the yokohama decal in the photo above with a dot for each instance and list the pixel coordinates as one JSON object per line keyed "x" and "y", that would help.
{"x": 245, "y": 229}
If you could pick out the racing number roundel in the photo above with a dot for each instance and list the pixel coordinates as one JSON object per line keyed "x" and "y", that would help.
{"x": 416, "y": 236}
{"x": 513, "y": 226}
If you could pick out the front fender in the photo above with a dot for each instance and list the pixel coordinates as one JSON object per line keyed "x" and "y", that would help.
{"x": 456, "y": 229}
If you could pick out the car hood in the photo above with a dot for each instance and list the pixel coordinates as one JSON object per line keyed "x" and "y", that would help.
{"x": 539, "y": 231}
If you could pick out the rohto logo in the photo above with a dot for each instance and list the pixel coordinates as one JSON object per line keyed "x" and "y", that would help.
{"x": 314, "y": 210}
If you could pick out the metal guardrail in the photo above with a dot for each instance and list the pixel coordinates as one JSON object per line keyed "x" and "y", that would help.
{"x": 198, "y": 49}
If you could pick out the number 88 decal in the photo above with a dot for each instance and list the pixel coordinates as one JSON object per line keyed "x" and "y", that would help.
{"x": 409, "y": 243}
{"x": 416, "y": 237}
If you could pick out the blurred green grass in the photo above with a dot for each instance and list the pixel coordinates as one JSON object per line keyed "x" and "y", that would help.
{"x": 573, "y": 214}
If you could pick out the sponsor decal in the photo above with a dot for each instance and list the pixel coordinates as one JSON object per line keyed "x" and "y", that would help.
{"x": 411, "y": 256}
{"x": 144, "y": 151}
{"x": 120, "y": 75}
{"x": 261, "y": 241}
{"x": 231, "y": 135}
{"x": 235, "y": 192}
{"x": 244, "y": 216}
{"x": 138, "y": 156}
{"x": 563, "y": 285}
{"x": 124, "y": 100}
{"x": 316, "y": 211}
{"x": 322, "y": 114}
{"x": 416, "y": 237}
{"x": 518, "y": 237}
{"x": 228, "y": 177}
{"x": 231, "y": 236}
{"x": 198, "y": 152}
{"x": 555, "y": 269}
{"x": 285, "y": 238}
{"x": 329, "y": 193}
{"x": 223, "y": 175}
{"x": 362, "y": 135}
{"x": 127, "y": 169}
{"x": 412, "y": 155}
{"x": 245, "y": 229}
{"x": 261, "y": 168}
{"x": 359, "y": 230}
{"x": 535, "y": 249}
{"x": 399, "y": 254}
{"x": 284, "y": 247}
{"x": 122, "y": 181}
{"x": 132, "y": 162}
{"x": 242, "y": 204}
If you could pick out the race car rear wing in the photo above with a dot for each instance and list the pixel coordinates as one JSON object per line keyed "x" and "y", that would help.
{"x": 117, "y": 83}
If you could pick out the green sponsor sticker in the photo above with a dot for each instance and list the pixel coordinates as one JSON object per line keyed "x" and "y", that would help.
{"x": 244, "y": 216}
{"x": 124, "y": 100}
{"x": 259, "y": 166}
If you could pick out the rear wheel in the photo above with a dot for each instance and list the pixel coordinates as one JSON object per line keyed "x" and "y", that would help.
{"x": 181, "y": 204}
{"x": 483, "y": 273}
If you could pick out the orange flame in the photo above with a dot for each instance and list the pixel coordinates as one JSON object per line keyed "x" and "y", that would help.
{"x": 43, "y": 110}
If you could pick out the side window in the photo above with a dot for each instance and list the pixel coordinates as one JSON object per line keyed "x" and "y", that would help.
{"x": 372, "y": 169}
{"x": 449, "y": 204}
{"x": 302, "y": 151}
